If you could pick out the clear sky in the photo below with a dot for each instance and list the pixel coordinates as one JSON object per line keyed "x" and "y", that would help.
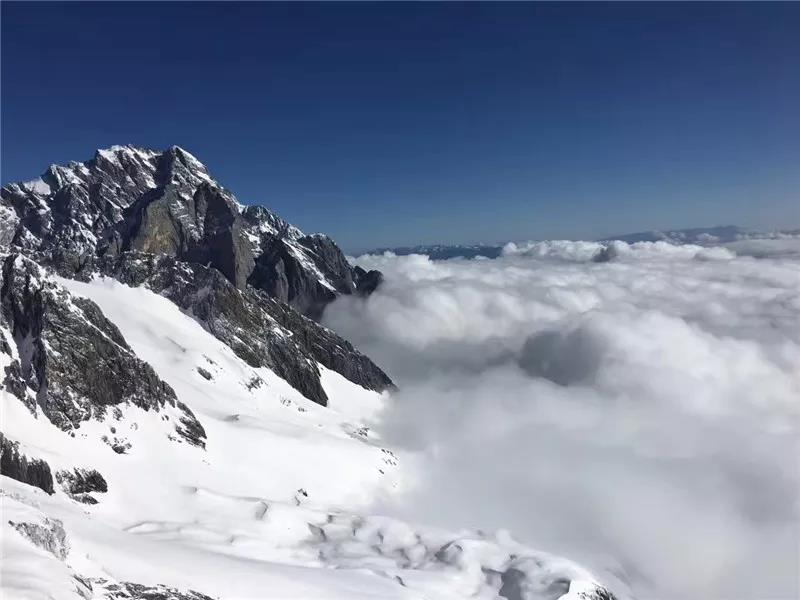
{"x": 391, "y": 124}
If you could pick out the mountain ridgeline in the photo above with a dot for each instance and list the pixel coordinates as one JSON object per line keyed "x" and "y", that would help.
{"x": 163, "y": 375}
{"x": 159, "y": 219}
{"x": 128, "y": 199}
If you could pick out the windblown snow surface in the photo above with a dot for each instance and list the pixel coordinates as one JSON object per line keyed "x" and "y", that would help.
{"x": 638, "y": 414}
{"x": 283, "y": 502}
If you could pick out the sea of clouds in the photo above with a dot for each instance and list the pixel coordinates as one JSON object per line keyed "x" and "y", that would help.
{"x": 633, "y": 407}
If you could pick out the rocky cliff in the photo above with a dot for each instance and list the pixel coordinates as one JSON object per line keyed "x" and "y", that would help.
{"x": 159, "y": 219}
{"x": 67, "y": 360}
{"x": 166, "y": 203}
{"x": 165, "y": 385}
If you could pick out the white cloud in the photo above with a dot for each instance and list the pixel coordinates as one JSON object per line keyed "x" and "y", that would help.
{"x": 639, "y": 414}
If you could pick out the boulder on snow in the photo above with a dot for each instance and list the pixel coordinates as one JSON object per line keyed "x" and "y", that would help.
{"x": 80, "y": 483}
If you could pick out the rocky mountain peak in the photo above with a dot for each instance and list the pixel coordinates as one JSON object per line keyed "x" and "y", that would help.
{"x": 158, "y": 219}
{"x": 160, "y": 357}
{"x": 128, "y": 198}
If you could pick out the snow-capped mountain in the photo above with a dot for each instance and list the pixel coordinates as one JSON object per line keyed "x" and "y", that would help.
{"x": 703, "y": 236}
{"x": 176, "y": 425}
{"x": 159, "y": 219}
{"x": 166, "y": 203}
{"x": 444, "y": 251}
{"x": 699, "y": 236}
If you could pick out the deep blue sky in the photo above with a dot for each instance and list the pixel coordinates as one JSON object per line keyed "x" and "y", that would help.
{"x": 388, "y": 124}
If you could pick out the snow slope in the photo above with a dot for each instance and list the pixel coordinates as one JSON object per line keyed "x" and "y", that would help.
{"x": 276, "y": 506}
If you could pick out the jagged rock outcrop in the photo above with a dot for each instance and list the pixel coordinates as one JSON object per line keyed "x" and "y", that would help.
{"x": 69, "y": 360}
{"x": 79, "y": 484}
{"x": 126, "y": 590}
{"x": 262, "y": 331}
{"x": 49, "y": 535}
{"x": 367, "y": 281}
{"x": 129, "y": 198}
{"x": 159, "y": 219}
{"x": 16, "y": 465}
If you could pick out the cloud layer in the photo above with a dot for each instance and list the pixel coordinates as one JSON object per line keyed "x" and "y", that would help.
{"x": 638, "y": 414}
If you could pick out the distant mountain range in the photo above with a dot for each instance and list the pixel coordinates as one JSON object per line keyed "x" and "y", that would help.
{"x": 701, "y": 236}
{"x": 443, "y": 252}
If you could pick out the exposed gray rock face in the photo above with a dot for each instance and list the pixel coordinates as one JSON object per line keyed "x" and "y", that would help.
{"x": 135, "y": 591}
{"x": 159, "y": 219}
{"x": 262, "y": 331}
{"x": 367, "y": 281}
{"x": 17, "y": 466}
{"x": 205, "y": 227}
{"x": 73, "y": 363}
{"x": 605, "y": 254}
{"x": 80, "y": 483}
{"x": 130, "y": 198}
{"x": 8, "y": 225}
{"x": 598, "y": 594}
{"x": 279, "y": 272}
{"x": 49, "y": 535}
